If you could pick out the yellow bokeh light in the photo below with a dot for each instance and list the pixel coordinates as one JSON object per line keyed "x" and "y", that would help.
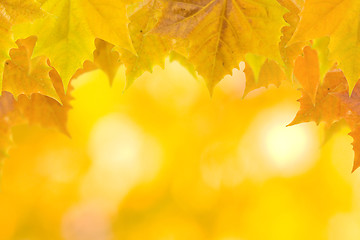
{"x": 122, "y": 155}
{"x": 286, "y": 148}
{"x": 291, "y": 150}
{"x": 279, "y": 149}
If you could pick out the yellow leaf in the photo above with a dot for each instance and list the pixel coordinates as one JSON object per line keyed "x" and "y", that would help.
{"x": 23, "y": 75}
{"x": 106, "y": 58}
{"x": 47, "y": 112}
{"x": 63, "y": 36}
{"x": 5, "y": 45}
{"x": 88, "y": 66}
{"x": 255, "y": 62}
{"x": 14, "y": 12}
{"x": 345, "y": 45}
{"x": 151, "y": 49}
{"x": 108, "y": 21}
{"x": 221, "y": 32}
{"x": 8, "y": 116}
{"x": 290, "y": 52}
{"x": 175, "y": 56}
{"x": 270, "y": 73}
{"x": 320, "y": 18}
{"x": 18, "y": 11}
{"x": 325, "y": 62}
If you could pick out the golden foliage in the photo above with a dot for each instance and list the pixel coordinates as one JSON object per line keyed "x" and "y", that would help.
{"x": 278, "y": 40}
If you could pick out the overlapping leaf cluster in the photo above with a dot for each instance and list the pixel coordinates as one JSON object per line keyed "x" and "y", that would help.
{"x": 45, "y": 44}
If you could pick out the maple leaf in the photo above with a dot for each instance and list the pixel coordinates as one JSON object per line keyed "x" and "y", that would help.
{"x": 355, "y": 134}
{"x": 8, "y": 117}
{"x": 221, "y": 32}
{"x": 307, "y": 72}
{"x": 88, "y": 66}
{"x": 106, "y": 58}
{"x": 47, "y": 112}
{"x": 108, "y": 20}
{"x": 38, "y": 109}
{"x": 338, "y": 19}
{"x": 175, "y": 56}
{"x": 344, "y": 45}
{"x": 289, "y": 52}
{"x": 321, "y": 45}
{"x": 327, "y": 106}
{"x": 14, "y": 12}
{"x": 63, "y": 36}
{"x": 18, "y": 11}
{"x": 150, "y": 48}
{"x": 352, "y": 117}
{"x": 270, "y": 73}
{"x": 255, "y": 62}
{"x": 320, "y": 18}
{"x": 23, "y": 75}
{"x": 5, "y": 45}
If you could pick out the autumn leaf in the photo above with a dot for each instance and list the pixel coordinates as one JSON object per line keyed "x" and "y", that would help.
{"x": 108, "y": 21}
{"x": 9, "y": 115}
{"x": 338, "y": 19}
{"x": 352, "y": 117}
{"x": 255, "y": 62}
{"x": 355, "y": 134}
{"x": 344, "y": 45}
{"x": 315, "y": 41}
{"x": 320, "y": 18}
{"x": 63, "y": 36}
{"x": 327, "y": 106}
{"x": 106, "y": 58}
{"x": 307, "y": 72}
{"x": 150, "y": 48}
{"x": 14, "y": 12}
{"x": 321, "y": 45}
{"x": 270, "y": 73}
{"x": 24, "y": 75}
{"x": 18, "y": 11}
{"x": 289, "y": 52}
{"x": 221, "y": 32}
{"x": 47, "y": 112}
{"x": 175, "y": 56}
{"x": 88, "y": 66}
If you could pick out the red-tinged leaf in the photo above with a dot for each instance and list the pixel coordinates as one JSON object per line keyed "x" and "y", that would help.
{"x": 352, "y": 117}
{"x": 355, "y": 134}
{"x": 327, "y": 106}
{"x": 8, "y": 117}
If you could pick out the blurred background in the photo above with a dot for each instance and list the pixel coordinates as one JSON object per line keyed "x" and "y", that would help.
{"x": 165, "y": 161}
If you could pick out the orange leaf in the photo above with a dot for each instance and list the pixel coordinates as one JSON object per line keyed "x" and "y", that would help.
{"x": 328, "y": 107}
{"x": 352, "y": 117}
{"x": 307, "y": 72}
